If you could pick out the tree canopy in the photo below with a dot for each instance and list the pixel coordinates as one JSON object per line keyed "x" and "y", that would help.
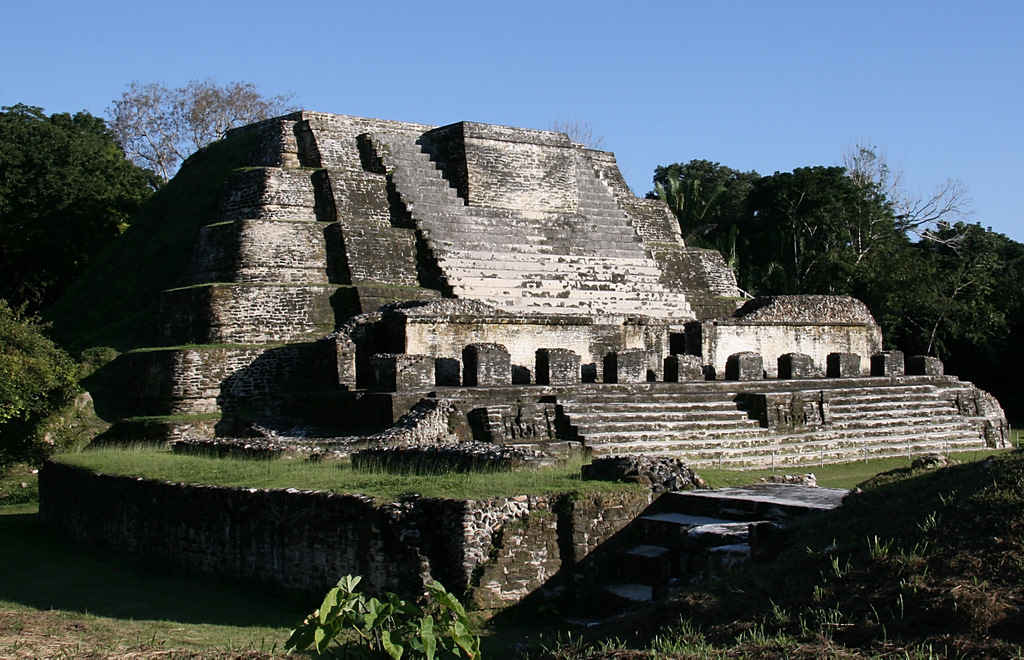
{"x": 66, "y": 190}
{"x": 936, "y": 284}
{"x": 159, "y": 127}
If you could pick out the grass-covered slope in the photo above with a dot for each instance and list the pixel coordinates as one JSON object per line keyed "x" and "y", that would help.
{"x": 115, "y": 301}
{"x": 917, "y": 563}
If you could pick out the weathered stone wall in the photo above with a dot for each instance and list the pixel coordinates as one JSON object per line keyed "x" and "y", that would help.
{"x": 200, "y": 380}
{"x": 722, "y": 338}
{"x": 522, "y": 337}
{"x": 246, "y": 314}
{"x": 261, "y": 252}
{"x": 501, "y": 549}
{"x": 518, "y": 168}
{"x": 776, "y": 325}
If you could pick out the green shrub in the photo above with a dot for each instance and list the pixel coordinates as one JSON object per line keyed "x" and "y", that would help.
{"x": 37, "y": 379}
{"x": 364, "y": 627}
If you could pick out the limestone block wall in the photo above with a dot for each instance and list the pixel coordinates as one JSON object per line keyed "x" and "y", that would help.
{"x": 716, "y": 340}
{"x": 445, "y": 338}
{"x": 246, "y": 314}
{"x": 200, "y": 380}
{"x": 269, "y": 193}
{"x": 261, "y": 251}
{"x": 516, "y": 168}
{"x": 498, "y": 549}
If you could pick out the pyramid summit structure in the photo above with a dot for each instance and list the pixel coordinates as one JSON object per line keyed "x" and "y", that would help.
{"x": 504, "y": 285}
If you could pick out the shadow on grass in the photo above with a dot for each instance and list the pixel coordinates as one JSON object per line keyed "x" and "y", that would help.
{"x": 43, "y": 569}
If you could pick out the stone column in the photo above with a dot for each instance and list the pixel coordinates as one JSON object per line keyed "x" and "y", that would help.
{"x": 887, "y": 363}
{"x": 796, "y": 365}
{"x": 626, "y": 366}
{"x": 401, "y": 372}
{"x": 557, "y": 366}
{"x": 486, "y": 364}
{"x": 843, "y": 365}
{"x": 924, "y": 365}
{"x": 683, "y": 367}
{"x": 745, "y": 365}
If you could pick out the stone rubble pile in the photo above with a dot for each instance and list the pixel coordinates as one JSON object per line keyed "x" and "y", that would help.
{"x": 452, "y": 457}
{"x": 659, "y": 473}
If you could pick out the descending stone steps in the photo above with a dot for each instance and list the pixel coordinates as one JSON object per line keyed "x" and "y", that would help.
{"x": 719, "y": 428}
{"x": 691, "y": 535}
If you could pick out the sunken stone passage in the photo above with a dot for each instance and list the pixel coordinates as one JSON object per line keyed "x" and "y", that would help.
{"x": 355, "y": 267}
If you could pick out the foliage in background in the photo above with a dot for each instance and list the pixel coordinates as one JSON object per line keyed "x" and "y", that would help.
{"x": 159, "y": 127}
{"x": 96, "y": 310}
{"x": 393, "y": 628}
{"x": 66, "y": 191}
{"x": 36, "y": 379}
{"x": 936, "y": 285}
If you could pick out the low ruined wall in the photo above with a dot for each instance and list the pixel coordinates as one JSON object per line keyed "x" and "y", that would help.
{"x": 497, "y": 550}
{"x": 722, "y": 338}
{"x": 522, "y": 338}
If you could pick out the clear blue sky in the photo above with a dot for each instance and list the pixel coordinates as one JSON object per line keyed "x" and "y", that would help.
{"x": 758, "y": 85}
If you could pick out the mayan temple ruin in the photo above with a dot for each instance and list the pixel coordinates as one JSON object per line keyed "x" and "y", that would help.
{"x": 368, "y": 281}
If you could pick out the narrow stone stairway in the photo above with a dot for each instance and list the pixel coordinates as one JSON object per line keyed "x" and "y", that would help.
{"x": 692, "y": 535}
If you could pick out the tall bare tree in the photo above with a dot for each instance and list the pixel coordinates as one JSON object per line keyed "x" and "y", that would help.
{"x": 159, "y": 127}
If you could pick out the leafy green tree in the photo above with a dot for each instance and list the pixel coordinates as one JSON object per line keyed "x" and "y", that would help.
{"x": 66, "y": 190}
{"x": 707, "y": 198}
{"x": 36, "y": 379}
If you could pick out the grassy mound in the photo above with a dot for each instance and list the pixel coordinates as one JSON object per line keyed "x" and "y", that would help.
{"x": 916, "y": 563}
{"x": 114, "y": 303}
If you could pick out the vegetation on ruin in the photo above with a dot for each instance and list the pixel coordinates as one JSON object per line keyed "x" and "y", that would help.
{"x": 918, "y": 563}
{"x": 66, "y": 191}
{"x": 338, "y": 477}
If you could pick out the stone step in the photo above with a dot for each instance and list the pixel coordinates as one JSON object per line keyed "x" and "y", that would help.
{"x": 683, "y": 427}
{"x": 671, "y": 406}
{"x": 509, "y": 262}
{"x": 481, "y": 246}
{"x": 646, "y": 564}
{"x": 552, "y": 282}
{"x": 711, "y": 416}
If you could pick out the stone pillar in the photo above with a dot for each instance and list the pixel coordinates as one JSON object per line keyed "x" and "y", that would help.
{"x": 924, "y": 365}
{"x": 843, "y": 365}
{"x": 626, "y": 366}
{"x": 401, "y": 372}
{"x": 339, "y": 351}
{"x": 745, "y": 365}
{"x": 486, "y": 364}
{"x": 683, "y": 367}
{"x": 796, "y": 365}
{"x": 447, "y": 371}
{"x": 557, "y": 366}
{"x": 887, "y": 363}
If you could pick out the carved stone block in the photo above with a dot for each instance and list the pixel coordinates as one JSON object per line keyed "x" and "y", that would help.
{"x": 680, "y": 368}
{"x": 626, "y": 366}
{"x": 745, "y": 365}
{"x": 401, "y": 372}
{"x": 842, "y": 365}
{"x": 796, "y": 365}
{"x": 486, "y": 364}
{"x": 924, "y": 365}
{"x": 887, "y": 363}
{"x": 557, "y": 366}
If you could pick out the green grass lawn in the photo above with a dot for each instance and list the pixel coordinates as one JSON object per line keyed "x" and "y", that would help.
{"x": 50, "y": 587}
{"x": 339, "y": 477}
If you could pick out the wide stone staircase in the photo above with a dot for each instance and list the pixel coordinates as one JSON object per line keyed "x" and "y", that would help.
{"x": 590, "y": 262}
{"x": 722, "y": 423}
{"x": 691, "y": 535}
